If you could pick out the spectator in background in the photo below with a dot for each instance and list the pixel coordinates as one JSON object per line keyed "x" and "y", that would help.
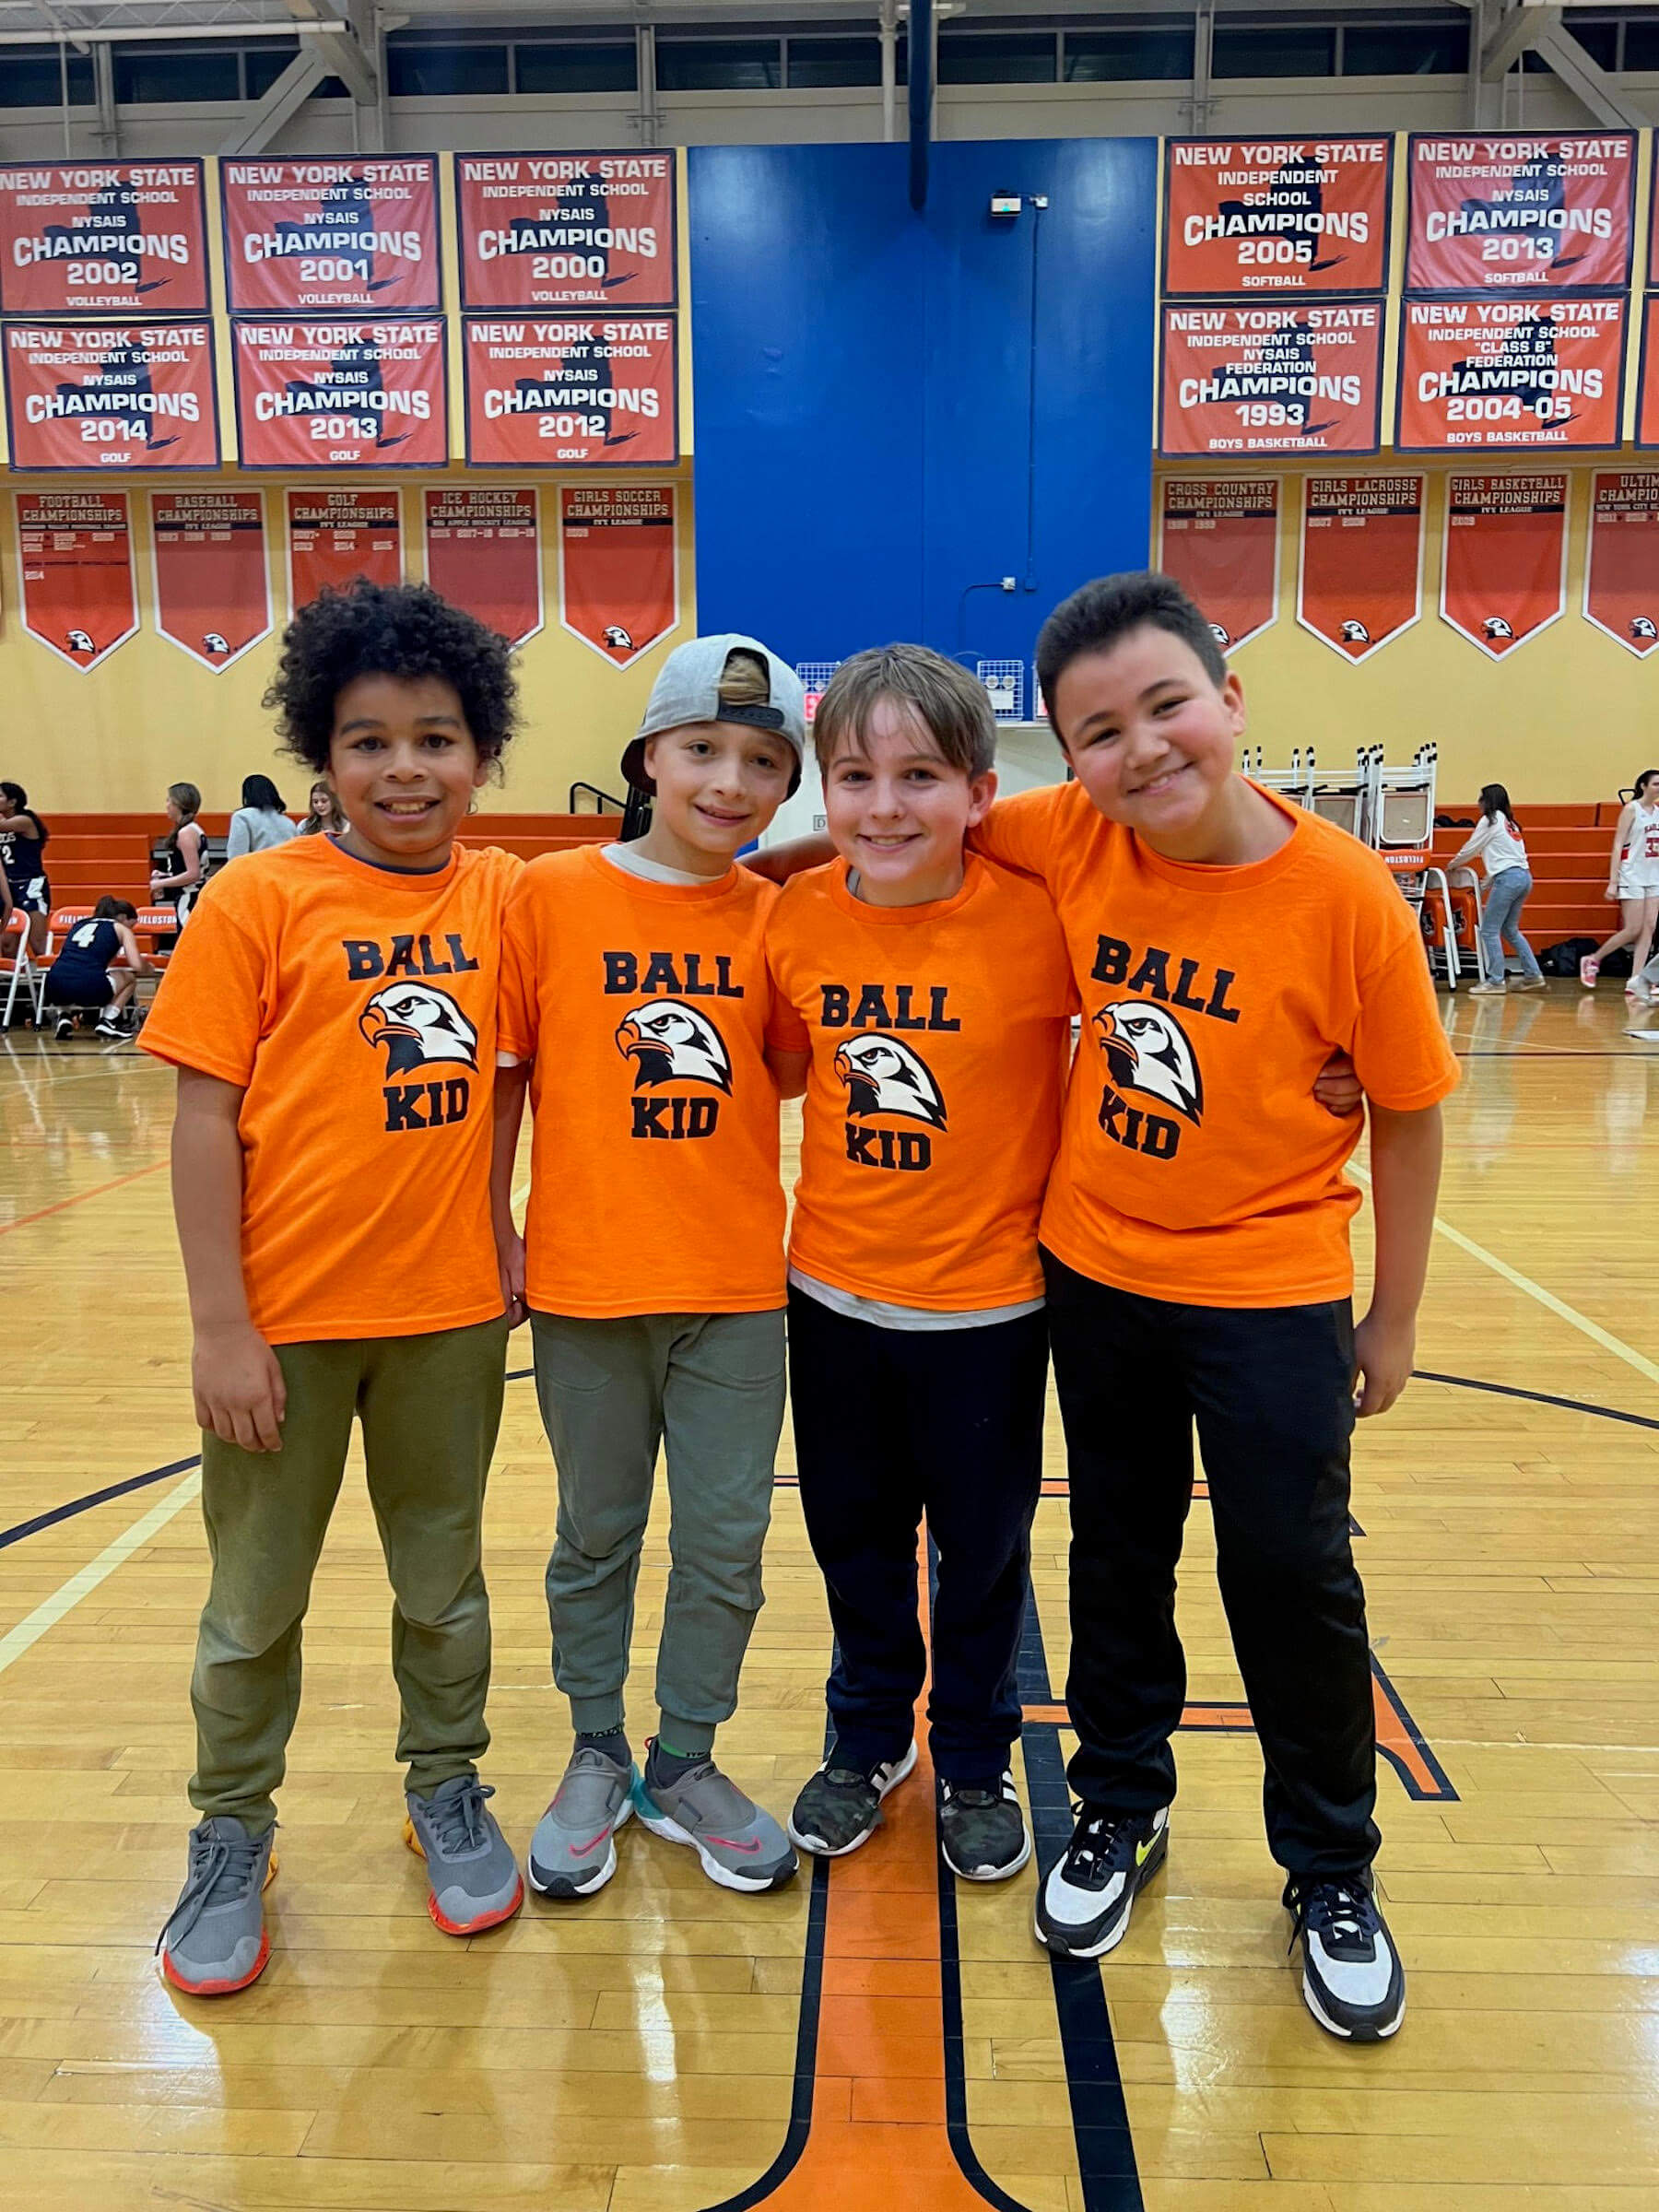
{"x": 23, "y": 856}
{"x": 183, "y": 864}
{"x": 323, "y": 817}
{"x": 1497, "y": 844}
{"x": 259, "y": 822}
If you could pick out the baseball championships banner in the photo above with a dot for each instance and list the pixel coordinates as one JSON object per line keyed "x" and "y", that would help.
{"x": 211, "y": 579}
{"x": 342, "y": 394}
{"x": 335, "y": 536}
{"x": 1505, "y": 573}
{"x": 1359, "y": 582}
{"x": 619, "y": 573}
{"x": 108, "y": 238}
{"x": 1297, "y": 377}
{"x": 111, "y": 397}
{"x": 1279, "y": 214}
{"x": 1510, "y": 373}
{"x": 1621, "y": 575}
{"x": 1520, "y": 211}
{"x": 1219, "y": 538}
{"x": 565, "y": 230}
{"x": 331, "y": 237}
{"x": 75, "y": 562}
{"x": 546, "y": 394}
{"x": 483, "y": 551}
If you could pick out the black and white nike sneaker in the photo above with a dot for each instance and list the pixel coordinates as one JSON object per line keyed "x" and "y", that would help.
{"x": 1083, "y": 1908}
{"x": 1353, "y": 1981}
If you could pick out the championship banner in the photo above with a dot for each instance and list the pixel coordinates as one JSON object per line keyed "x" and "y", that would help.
{"x": 1510, "y": 373}
{"x": 212, "y": 582}
{"x": 1299, "y": 215}
{"x": 1219, "y": 538}
{"x": 618, "y": 567}
{"x": 542, "y": 395}
{"x": 335, "y": 536}
{"x": 107, "y": 238}
{"x": 1519, "y": 210}
{"x": 1359, "y": 582}
{"x": 1301, "y": 378}
{"x": 331, "y": 237}
{"x": 1647, "y": 390}
{"x": 1505, "y": 573}
{"x": 483, "y": 551}
{"x": 112, "y": 397}
{"x": 1621, "y": 575}
{"x": 75, "y": 561}
{"x": 342, "y": 394}
{"x": 565, "y": 230}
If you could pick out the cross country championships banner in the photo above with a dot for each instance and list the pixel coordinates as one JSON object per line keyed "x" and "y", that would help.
{"x": 1279, "y": 214}
{"x": 331, "y": 237}
{"x": 539, "y": 395}
{"x": 212, "y": 581}
{"x": 335, "y": 536}
{"x": 1510, "y": 373}
{"x": 1519, "y": 210}
{"x": 75, "y": 562}
{"x": 565, "y": 230}
{"x": 102, "y": 238}
{"x": 1295, "y": 377}
{"x": 1219, "y": 538}
{"x": 1359, "y": 582}
{"x": 1621, "y": 575}
{"x": 1505, "y": 573}
{"x": 483, "y": 551}
{"x": 618, "y": 575}
{"x": 342, "y": 394}
{"x": 111, "y": 397}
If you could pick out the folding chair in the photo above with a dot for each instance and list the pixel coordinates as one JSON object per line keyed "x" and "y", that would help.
{"x": 27, "y": 973}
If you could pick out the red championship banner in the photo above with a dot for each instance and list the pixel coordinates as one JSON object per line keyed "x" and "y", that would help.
{"x": 1621, "y": 575}
{"x": 1519, "y": 210}
{"x": 212, "y": 581}
{"x": 1276, "y": 215}
{"x": 1647, "y": 391}
{"x": 618, "y": 567}
{"x": 75, "y": 561}
{"x": 1505, "y": 573}
{"x": 565, "y": 230}
{"x": 1510, "y": 373}
{"x": 335, "y": 536}
{"x": 342, "y": 394}
{"x": 107, "y": 396}
{"x": 483, "y": 551}
{"x": 1219, "y": 538}
{"x": 1360, "y": 579}
{"x": 332, "y": 238}
{"x": 592, "y": 395}
{"x": 1303, "y": 377}
{"x": 106, "y": 238}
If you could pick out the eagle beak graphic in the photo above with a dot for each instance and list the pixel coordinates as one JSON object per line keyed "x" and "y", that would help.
{"x": 1122, "y": 1059}
{"x": 377, "y": 1029}
{"x": 629, "y": 1040}
{"x": 842, "y": 1065}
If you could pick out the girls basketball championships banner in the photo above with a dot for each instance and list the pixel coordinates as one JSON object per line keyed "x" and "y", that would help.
{"x": 1621, "y": 575}
{"x": 342, "y": 394}
{"x": 1359, "y": 582}
{"x": 1505, "y": 573}
{"x": 1276, "y": 215}
{"x": 331, "y": 237}
{"x": 565, "y": 230}
{"x": 108, "y": 238}
{"x": 111, "y": 395}
{"x": 1297, "y": 377}
{"x": 74, "y": 563}
{"x": 618, "y": 571}
{"x": 542, "y": 395}
{"x": 1519, "y": 210}
{"x": 483, "y": 551}
{"x": 1510, "y": 373}
{"x": 335, "y": 536}
{"x": 212, "y": 580}
{"x": 1219, "y": 538}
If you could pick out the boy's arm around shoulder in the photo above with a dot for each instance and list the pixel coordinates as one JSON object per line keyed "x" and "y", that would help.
{"x": 788, "y": 1043}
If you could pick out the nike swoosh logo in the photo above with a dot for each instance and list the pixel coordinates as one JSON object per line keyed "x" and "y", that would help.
{"x": 1143, "y": 1852}
{"x": 731, "y": 1844}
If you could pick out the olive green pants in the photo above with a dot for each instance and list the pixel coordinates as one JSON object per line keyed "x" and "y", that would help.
{"x": 430, "y": 1407}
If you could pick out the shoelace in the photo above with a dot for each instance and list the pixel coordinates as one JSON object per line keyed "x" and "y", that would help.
{"x": 220, "y": 1872}
{"x": 458, "y": 1820}
{"x": 1088, "y": 1858}
{"x": 1342, "y": 1914}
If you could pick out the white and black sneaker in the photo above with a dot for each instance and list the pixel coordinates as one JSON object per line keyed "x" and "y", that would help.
{"x": 840, "y": 1807}
{"x": 1353, "y": 1981}
{"x": 1083, "y": 1908}
{"x": 65, "y": 1028}
{"x": 983, "y": 1832}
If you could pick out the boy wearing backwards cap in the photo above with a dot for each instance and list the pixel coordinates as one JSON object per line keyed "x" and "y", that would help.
{"x": 635, "y": 1003}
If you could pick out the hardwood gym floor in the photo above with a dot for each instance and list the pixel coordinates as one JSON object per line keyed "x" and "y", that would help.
{"x": 865, "y": 2039}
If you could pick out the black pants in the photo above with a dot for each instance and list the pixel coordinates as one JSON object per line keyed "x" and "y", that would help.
{"x": 1270, "y": 1390}
{"x": 890, "y": 1424}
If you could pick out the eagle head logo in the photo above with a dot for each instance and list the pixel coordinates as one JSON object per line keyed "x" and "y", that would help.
{"x": 1355, "y": 633}
{"x": 1643, "y": 626}
{"x": 667, "y": 1039}
{"x": 1146, "y": 1050}
{"x": 214, "y": 642}
{"x": 1218, "y": 631}
{"x": 885, "y": 1077}
{"x": 617, "y": 638}
{"x": 419, "y": 1027}
{"x": 78, "y": 642}
{"x": 1496, "y": 627}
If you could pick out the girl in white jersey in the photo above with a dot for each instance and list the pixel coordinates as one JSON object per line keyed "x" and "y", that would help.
{"x": 1633, "y": 880}
{"x": 1496, "y": 843}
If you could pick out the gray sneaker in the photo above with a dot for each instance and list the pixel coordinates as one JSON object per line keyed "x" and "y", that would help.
{"x": 472, "y": 1877}
{"x": 573, "y": 1850}
{"x": 740, "y": 1846}
{"x": 215, "y": 1940}
{"x": 983, "y": 1832}
{"x": 841, "y": 1807}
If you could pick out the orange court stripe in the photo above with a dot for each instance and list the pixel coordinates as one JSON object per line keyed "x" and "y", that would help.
{"x": 98, "y": 1190}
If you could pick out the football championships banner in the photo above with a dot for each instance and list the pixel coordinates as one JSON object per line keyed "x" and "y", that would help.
{"x": 331, "y": 237}
{"x": 107, "y": 238}
{"x": 542, "y": 395}
{"x": 1219, "y": 538}
{"x": 75, "y": 561}
{"x": 1510, "y": 373}
{"x": 1519, "y": 210}
{"x": 565, "y": 230}
{"x": 342, "y": 394}
{"x": 1621, "y": 575}
{"x": 618, "y": 576}
{"x": 335, "y": 536}
{"x": 212, "y": 580}
{"x": 1279, "y": 214}
{"x": 1302, "y": 377}
{"x": 107, "y": 396}
{"x": 483, "y": 551}
{"x": 1505, "y": 573}
{"x": 1359, "y": 582}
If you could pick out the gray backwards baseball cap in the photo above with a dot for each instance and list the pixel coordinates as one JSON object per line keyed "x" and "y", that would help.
{"x": 686, "y": 689}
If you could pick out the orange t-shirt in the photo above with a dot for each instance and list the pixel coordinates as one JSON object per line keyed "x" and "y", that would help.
{"x": 655, "y": 1183}
{"x": 939, "y": 1036}
{"x": 1197, "y": 1164}
{"x": 355, "y": 1008}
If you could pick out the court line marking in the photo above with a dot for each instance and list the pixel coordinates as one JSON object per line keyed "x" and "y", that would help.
{"x": 99, "y": 1190}
{"x": 50, "y": 1610}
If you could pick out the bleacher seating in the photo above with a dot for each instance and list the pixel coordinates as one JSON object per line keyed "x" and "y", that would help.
{"x": 1567, "y": 846}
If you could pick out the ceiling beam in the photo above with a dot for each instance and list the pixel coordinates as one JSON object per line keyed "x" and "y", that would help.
{"x": 254, "y": 132}
{"x": 1603, "y": 96}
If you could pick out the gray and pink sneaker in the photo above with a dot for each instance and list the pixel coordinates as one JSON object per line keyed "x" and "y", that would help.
{"x": 741, "y": 1847}
{"x": 573, "y": 1850}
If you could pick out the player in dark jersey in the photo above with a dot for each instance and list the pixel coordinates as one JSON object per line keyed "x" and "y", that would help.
{"x": 84, "y": 974}
{"x": 23, "y": 837}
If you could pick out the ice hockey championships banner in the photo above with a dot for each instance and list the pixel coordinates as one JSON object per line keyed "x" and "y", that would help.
{"x": 213, "y": 585}
{"x": 1279, "y": 214}
{"x": 331, "y": 237}
{"x": 565, "y": 230}
{"x": 1505, "y": 574}
{"x": 542, "y": 395}
{"x": 1519, "y": 210}
{"x": 1621, "y": 576}
{"x": 110, "y": 397}
{"x": 102, "y": 238}
{"x": 1359, "y": 582}
{"x": 335, "y": 536}
{"x": 342, "y": 394}
{"x": 618, "y": 576}
{"x": 483, "y": 551}
{"x": 1219, "y": 538}
{"x": 1510, "y": 373}
{"x": 74, "y": 563}
{"x": 1303, "y": 376}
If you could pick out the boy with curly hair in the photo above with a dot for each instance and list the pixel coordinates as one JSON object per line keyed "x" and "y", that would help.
{"x": 331, "y": 1014}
